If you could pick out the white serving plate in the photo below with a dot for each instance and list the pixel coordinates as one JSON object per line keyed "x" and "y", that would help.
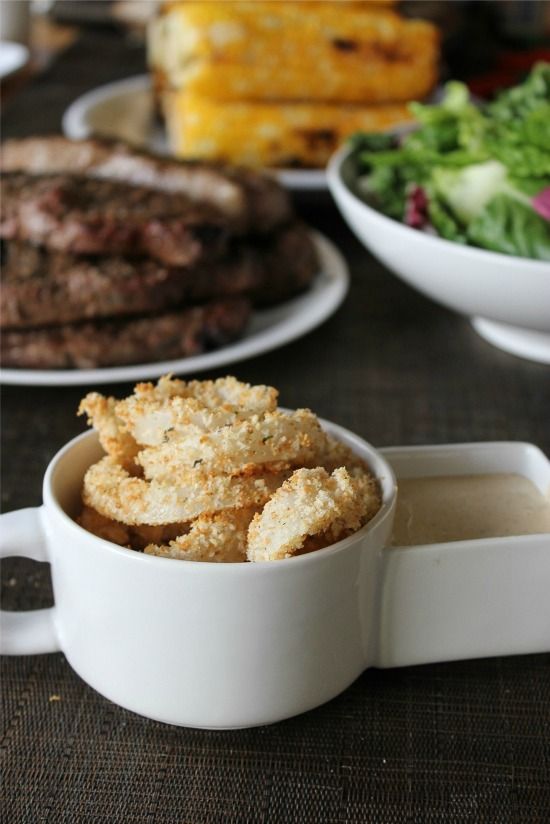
{"x": 268, "y": 329}
{"x": 466, "y": 599}
{"x": 124, "y": 109}
{"x": 507, "y": 298}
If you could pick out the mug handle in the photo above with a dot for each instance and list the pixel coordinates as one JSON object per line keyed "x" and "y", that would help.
{"x": 455, "y": 601}
{"x": 32, "y": 631}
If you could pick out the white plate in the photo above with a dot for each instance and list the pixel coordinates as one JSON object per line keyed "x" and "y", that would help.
{"x": 13, "y": 56}
{"x": 124, "y": 109}
{"x": 269, "y": 329}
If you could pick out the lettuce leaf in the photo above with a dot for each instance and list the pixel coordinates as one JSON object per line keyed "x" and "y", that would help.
{"x": 384, "y": 187}
{"x": 445, "y": 222}
{"x": 516, "y": 103}
{"x": 508, "y": 226}
{"x": 480, "y": 167}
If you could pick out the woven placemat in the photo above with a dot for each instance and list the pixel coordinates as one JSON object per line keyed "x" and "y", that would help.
{"x": 464, "y": 742}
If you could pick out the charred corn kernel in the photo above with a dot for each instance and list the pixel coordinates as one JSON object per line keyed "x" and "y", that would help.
{"x": 264, "y": 134}
{"x": 294, "y": 51}
{"x": 167, "y": 5}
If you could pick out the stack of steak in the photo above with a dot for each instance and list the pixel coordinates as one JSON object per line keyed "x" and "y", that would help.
{"x": 112, "y": 256}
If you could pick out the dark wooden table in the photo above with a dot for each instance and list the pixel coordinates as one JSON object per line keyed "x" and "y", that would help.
{"x": 458, "y": 742}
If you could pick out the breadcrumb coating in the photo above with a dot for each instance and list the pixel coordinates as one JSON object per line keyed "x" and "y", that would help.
{"x": 113, "y": 435}
{"x": 212, "y": 538}
{"x": 309, "y": 503}
{"x": 134, "y": 537}
{"x": 332, "y": 453}
{"x": 274, "y": 437}
{"x": 213, "y": 471}
{"x": 211, "y": 393}
{"x": 155, "y": 418}
{"x": 113, "y": 492}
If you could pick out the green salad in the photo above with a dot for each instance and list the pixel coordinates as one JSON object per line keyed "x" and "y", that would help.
{"x": 475, "y": 175}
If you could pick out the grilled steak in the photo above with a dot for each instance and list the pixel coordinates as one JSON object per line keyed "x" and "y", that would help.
{"x": 99, "y": 236}
{"x": 89, "y": 216}
{"x": 291, "y": 262}
{"x": 191, "y": 331}
{"x": 42, "y": 288}
{"x": 252, "y": 202}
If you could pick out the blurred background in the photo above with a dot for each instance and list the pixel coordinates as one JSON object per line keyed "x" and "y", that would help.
{"x": 278, "y": 85}
{"x": 490, "y": 45}
{"x": 487, "y": 42}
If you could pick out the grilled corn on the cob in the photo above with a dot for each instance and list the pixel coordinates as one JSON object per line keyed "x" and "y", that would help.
{"x": 267, "y": 134}
{"x": 345, "y": 52}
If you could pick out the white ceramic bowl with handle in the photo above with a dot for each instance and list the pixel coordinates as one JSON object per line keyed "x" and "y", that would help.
{"x": 506, "y": 297}
{"x": 198, "y": 644}
{"x": 237, "y": 645}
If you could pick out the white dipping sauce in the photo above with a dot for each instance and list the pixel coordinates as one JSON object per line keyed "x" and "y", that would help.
{"x": 464, "y": 507}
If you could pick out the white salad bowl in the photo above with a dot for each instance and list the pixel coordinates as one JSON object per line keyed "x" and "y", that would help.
{"x": 506, "y": 297}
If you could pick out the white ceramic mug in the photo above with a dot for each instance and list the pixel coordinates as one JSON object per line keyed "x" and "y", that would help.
{"x": 190, "y": 643}
{"x": 237, "y": 645}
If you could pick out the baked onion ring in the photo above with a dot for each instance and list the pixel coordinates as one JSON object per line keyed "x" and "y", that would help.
{"x": 153, "y": 421}
{"x": 333, "y": 453}
{"x": 275, "y": 438}
{"x": 112, "y": 432}
{"x": 309, "y": 503}
{"x": 214, "y": 538}
{"x": 114, "y": 493}
{"x": 135, "y": 537}
{"x": 212, "y": 394}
